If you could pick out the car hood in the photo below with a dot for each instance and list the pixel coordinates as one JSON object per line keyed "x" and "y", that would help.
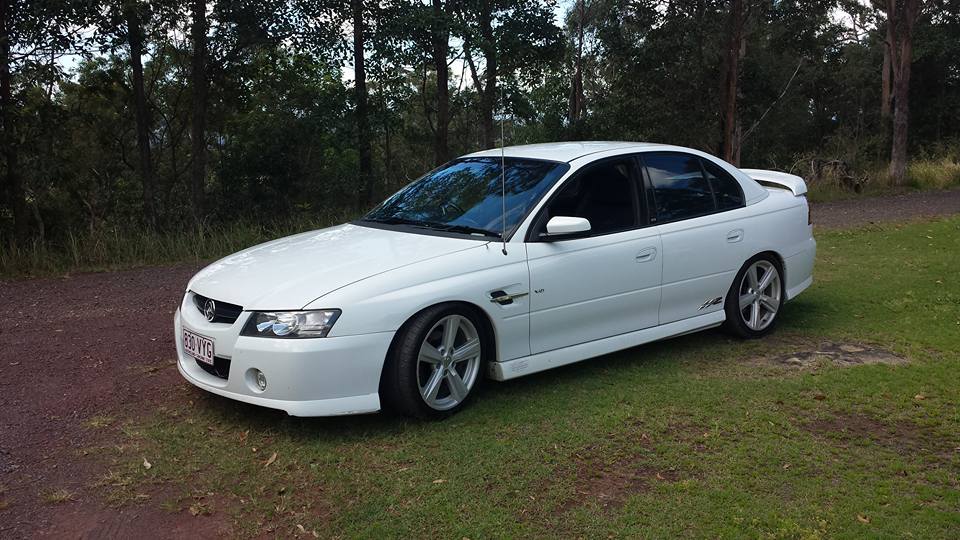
{"x": 292, "y": 272}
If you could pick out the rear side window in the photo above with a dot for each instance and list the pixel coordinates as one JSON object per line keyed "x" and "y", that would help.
{"x": 725, "y": 187}
{"x": 680, "y": 190}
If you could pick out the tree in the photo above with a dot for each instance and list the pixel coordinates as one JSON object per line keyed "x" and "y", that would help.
{"x": 729, "y": 126}
{"x": 439, "y": 51}
{"x": 901, "y": 20}
{"x": 200, "y": 85}
{"x": 33, "y": 37}
{"x": 513, "y": 37}
{"x": 360, "y": 93}
{"x": 131, "y": 12}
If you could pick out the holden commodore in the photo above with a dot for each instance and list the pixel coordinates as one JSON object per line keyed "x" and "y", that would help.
{"x": 499, "y": 264}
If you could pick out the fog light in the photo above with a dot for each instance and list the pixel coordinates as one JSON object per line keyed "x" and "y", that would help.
{"x": 261, "y": 381}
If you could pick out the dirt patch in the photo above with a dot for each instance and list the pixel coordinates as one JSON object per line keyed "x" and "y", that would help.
{"x": 839, "y": 354}
{"x": 76, "y": 352}
{"x": 608, "y": 485}
{"x": 876, "y": 210}
{"x": 901, "y": 437}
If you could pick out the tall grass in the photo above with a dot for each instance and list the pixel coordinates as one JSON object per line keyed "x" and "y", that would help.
{"x": 941, "y": 173}
{"x": 124, "y": 247}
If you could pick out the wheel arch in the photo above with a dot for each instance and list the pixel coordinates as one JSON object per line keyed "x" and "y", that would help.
{"x": 778, "y": 259}
{"x": 483, "y": 317}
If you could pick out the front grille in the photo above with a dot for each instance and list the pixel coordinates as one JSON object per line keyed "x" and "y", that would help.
{"x": 223, "y": 312}
{"x": 220, "y": 367}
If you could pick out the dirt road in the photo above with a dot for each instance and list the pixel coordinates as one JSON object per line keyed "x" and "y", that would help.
{"x": 80, "y": 349}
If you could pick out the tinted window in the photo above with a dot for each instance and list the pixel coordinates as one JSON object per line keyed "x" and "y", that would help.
{"x": 725, "y": 187}
{"x": 603, "y": 194}
{"x": 466, "y": 194}
{"x": 679, "y": 188}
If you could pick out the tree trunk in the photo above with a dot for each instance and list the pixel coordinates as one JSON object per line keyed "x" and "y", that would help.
{"x": 488, "y": 97}
{"x": 731, "y": 80}
{"x": 441, "y": 45}
{"x": 363, "y": 122}
{"x": 576, "y": 88}
{"x": 886, "y": 74}
{"x": 14, "y": 184}
{"x": 905, "y": 17}
{"x": 141, "y": 111}
{"x": 198, "y": 80}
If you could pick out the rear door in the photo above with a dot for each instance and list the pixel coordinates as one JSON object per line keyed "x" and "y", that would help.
{"x": 601, "y": 284}
{"x": 700, "y": 213}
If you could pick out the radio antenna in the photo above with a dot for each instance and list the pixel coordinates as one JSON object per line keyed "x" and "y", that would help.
{"x": 503, "y": 180}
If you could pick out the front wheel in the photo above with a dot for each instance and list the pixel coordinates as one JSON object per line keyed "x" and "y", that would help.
{"x": 436, "y": 363}
{"x": 755, "y": 298}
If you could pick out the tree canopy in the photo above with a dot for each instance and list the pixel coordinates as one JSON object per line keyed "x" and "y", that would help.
{"x": 166, "y": 115}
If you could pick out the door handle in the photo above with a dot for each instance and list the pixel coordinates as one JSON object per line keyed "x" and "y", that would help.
{"x": 647, "y": 255}
{"x": 735, "y": 236}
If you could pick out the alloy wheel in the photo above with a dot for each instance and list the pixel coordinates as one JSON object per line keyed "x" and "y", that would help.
{"x": 760, "y": 295}
{"x": 449, "y": 362}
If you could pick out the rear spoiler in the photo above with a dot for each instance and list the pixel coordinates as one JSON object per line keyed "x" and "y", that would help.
{"x": 776, "y": 179}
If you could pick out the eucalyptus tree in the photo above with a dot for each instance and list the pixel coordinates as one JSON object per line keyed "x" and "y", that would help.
{"x": 34, "y": 37}
{"x": 516, "y": 40}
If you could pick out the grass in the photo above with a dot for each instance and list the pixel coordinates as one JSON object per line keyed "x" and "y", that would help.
{"x": 126, "y": 247}
{"x": 923, "y": 174}
{"x": 688, "y": 437}
{"x": 59, "y": 496}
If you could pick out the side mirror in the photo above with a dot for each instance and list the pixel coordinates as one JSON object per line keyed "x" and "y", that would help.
{"x": 560, "y": 227}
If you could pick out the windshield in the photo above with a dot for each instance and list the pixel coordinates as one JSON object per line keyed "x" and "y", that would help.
{"x": 465, "y": 196}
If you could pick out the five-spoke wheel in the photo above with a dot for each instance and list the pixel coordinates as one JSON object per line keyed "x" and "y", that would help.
{"x": 449, "y": 362}
{"x": 755, "y": 297}
{"x": 436, "y": 362}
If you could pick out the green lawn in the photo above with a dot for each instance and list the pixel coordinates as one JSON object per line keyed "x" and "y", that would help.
{"x": 695, "y": 436}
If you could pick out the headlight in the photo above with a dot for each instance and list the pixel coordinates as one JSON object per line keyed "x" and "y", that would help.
{"x": 290, "y": 324}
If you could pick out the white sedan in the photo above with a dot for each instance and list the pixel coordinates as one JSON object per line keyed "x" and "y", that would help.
{"x": 496, "y": 265}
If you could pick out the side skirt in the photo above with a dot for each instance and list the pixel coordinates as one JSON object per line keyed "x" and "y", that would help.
{"x": 511, "y": 369}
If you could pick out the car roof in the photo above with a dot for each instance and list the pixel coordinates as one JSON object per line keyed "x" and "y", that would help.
{"x": 565, "y": 151}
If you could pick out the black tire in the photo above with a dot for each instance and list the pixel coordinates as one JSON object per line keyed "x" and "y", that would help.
{"x": 402, "y": 372}
{"x": 735, "y": 323}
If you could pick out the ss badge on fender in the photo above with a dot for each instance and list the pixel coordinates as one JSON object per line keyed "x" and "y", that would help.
{"x": 708, "y": 303}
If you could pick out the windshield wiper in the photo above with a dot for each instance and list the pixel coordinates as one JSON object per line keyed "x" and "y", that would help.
{"x": 464, "y": 229}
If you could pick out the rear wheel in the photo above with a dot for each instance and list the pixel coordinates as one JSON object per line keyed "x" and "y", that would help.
{"x": 755, "y": 298}
{"x": 436, "y": 363}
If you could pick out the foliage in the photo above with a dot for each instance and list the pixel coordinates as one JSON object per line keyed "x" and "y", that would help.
{"x": 281, "y": 134}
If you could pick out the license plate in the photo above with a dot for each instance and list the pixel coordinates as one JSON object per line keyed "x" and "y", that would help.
{"x": 198, "y": 347}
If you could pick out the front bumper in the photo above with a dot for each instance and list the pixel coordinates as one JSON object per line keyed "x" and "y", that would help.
{"x": 305, "y": 377}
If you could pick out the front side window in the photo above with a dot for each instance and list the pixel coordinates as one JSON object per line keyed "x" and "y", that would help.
{"x": 602, "y": 193}
{"x": 465, "y": 196}
{"x": 680, "y": 190}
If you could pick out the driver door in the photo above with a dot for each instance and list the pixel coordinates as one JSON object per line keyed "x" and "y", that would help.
{"x": 605, "y": 282}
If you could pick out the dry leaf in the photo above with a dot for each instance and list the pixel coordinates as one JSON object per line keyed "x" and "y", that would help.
{"x": 273, "y": 457}
{"x": 243, "y": 436}
{"x": 301, "y": 529}
{"x": 147, "y": 464}
{"x": 863, "y": 519}
{"x": 919, "y": 397}
{"x": 660, "y": 477}
{"x": 819, "y": 397}
{"x": 439, "y": 481}
{"x": 786, "y": 466}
